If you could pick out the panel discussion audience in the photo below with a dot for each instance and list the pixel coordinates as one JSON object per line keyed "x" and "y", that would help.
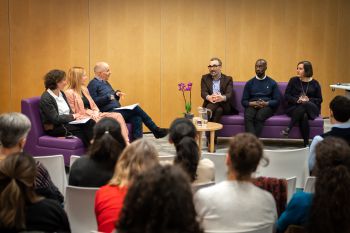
{"x": 304, "y": 97}
{"x": 237, "y": 204}
{"x": 216, "y": 91}
{"x": 138, "y": 157}
{"x": 260, "y": 99}
{"x": 97, "y": 167}
{"x": 55, "y": 111}
{"x": 21, "y": 208}
{"x": 14, "y": 128}
{"x": 107, "y": 100}
{"x": 327, "y": 210}
{"x": 340, "y": 119}
{"x": 159, "y": 201}
{"x": 80, "y": 101}
{"x": 183, "y": 134}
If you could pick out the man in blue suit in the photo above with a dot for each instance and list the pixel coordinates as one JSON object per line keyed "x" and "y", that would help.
{"x": 107, "y": 99}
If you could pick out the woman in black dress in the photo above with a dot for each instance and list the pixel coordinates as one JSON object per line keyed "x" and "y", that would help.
{"x": 303, "y": 96}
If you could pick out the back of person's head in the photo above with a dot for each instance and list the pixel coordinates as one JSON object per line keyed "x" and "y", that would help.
{"x": 53, "y": 77}
{"x": 159, "y": 201}
{"x": 245, "y": 152}
{"x": 75, "y": 75}
{"x": 340, "y": 107}
{"x": 17, "y": 175}
{"x": 108, "y": 142}
{"x": 330, "y": 211}
{"x": 182, "y": 133}
{"x": 14, "y": 128}
{"x": 139, "y": 156}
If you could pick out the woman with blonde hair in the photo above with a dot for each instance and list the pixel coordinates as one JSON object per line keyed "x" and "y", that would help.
{"x": 139, "y": 156}
{"x": 80, "y": 101}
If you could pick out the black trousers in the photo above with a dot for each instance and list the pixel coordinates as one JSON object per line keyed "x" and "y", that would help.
{"x": 82, "y": 131}
{"x": 301, "y": 115}
{"x": 218, "y": 110}
{"x": 255, "y": 118}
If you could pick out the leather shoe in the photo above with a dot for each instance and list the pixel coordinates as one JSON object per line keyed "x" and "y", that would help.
{"x": 160, "y": 132}
{"x": 285, "y": 132}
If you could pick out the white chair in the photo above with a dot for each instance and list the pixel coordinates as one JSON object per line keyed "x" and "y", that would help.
{"x": 72, "y": 159}
{"x": 196, "y": 187}
{"x": 285, "y": 164}
{"x": 291, "y": 185}
{"x": 55, "y": 166}
{"x": 310, "y": 184}
{"x": 79, "y": 206}
{"x": 268, "y": 229}
{"x": 220, "y": 165}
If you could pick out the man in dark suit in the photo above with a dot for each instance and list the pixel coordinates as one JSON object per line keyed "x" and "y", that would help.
{"x": 216, "y": 91}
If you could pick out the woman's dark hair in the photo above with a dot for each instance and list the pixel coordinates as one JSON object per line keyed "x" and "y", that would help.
{"x": 53, "y": 77}
{"x": 17, "y": 175}
{"x": 340, "y": 106}
{"x": 108, "y": 142}
{"x": 330, "y": 211}
{"x": 182, "y": 133}
{"x": 245, "y": 152}
{"x": 159, "y": 201}
{"x": 307, "y": 68}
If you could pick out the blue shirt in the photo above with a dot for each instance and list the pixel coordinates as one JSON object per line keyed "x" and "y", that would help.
{"x": 297, "y": 211}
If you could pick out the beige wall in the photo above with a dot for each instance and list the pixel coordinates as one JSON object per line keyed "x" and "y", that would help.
{"x": 152, "y": 45}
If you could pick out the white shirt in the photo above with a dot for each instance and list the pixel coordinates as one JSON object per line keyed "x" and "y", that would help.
{"x": 62, "y": 105}
{"x": 205, "y": 171}
{"x": 235, "y": 206}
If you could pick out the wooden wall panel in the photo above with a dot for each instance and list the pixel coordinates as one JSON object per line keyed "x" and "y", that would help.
{"x": 45, "y": 35}
{"x": 5, "y": 93}
{"x": 126, "y": 34}
{"x": 190, "y": 36}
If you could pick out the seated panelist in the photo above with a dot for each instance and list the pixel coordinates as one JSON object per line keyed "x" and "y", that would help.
{"x": 107, "y": 100}
{"x": 80, "y": 101}
{"x": 55, "y": 111}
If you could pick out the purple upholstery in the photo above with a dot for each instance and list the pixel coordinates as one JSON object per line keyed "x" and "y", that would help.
{"x": 39, "y": 144}
{"x": 234, "y": 124}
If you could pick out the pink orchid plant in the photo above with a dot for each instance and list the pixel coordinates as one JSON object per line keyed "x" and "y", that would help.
{"x": 186, "y": 88}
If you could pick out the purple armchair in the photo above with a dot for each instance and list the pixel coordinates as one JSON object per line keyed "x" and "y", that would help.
{"x": 234, "y": 124}
{"x": 39, "y": 144}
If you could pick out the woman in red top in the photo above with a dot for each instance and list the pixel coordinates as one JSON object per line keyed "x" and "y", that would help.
{"x": 136, "y": 158}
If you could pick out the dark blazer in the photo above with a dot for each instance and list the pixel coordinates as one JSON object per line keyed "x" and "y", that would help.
{"x": 49, "y": 112}
{"x": 226, "y": 88}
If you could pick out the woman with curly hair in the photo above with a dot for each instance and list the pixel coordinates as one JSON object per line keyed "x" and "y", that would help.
{"x": 159, "y": 201}
{"x": 21, "y": 208}
{"x": 328, "y": 209}
{"x": 182, "y": 134}
{"x": 139, "y": 156}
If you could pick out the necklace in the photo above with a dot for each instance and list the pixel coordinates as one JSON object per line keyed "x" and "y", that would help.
{"x": 304, "y": 93}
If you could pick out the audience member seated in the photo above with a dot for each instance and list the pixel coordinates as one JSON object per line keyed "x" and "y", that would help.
{"x": 159, "y": 200}
{"x": 107, "y": 99}
{"x": 21, "y": 208}
{"x": 56, "y": 114}
{"x": 260, "y": 99}
{"x": 14, "y": 128}
{"x": 80, "y": 101}
{"x": 327, "y": 210}
{"x": 96, "y": 168}
{"x": 183, "y": 134}
{"x": 340, "y": 119}
{"x": 139, "y": 156}
{"x": 303, "y": 96}
{"x": 237, "y": 204}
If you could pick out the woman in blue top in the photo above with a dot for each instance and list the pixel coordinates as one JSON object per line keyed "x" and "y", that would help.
{"x": 303, "y": 96}
{"x": 328, "y": 209}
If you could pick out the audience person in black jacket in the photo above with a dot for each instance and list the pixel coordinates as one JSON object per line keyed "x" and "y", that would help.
{"x": 303, "y": 96}
{"x": 14, "y": 128}
{"x": 55, "y": 111}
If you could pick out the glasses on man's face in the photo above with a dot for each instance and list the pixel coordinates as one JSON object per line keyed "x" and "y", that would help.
{"x": 213, "y": 66}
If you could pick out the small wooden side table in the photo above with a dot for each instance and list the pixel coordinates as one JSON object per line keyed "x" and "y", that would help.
{"x": 211, "y": 127}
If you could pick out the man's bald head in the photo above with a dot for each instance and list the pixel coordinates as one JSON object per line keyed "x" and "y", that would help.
{"x": 101, "y": 70}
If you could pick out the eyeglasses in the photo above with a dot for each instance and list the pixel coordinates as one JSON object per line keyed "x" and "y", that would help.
{"x": 213, "y": 66}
